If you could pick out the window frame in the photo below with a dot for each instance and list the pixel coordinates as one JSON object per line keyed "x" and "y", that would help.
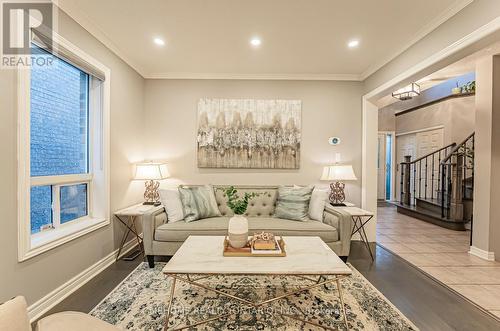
{"x": 97, "y": 178}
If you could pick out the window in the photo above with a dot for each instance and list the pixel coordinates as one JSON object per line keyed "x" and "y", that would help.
{"x": 63, "y": 148}
{"x": 59, "y": 131}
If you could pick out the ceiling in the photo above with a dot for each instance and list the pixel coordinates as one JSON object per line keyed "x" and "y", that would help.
{"x": 301, "y": 39}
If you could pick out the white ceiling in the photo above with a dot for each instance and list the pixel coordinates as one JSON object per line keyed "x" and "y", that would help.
{"x": 301, "y": 39}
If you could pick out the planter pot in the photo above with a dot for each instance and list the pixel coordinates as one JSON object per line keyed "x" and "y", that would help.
{"x": 238, "y": 231}
{"x": 456, "y": 90}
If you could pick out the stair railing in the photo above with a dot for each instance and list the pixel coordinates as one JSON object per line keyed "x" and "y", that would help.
{"x": 457, "y": 170}
{"x": 421, "y": 178}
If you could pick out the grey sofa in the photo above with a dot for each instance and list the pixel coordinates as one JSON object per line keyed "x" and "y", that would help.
{"x": 163, "y": 238}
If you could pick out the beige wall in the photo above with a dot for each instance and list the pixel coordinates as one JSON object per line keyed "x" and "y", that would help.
{"x": 456, "y": 115}
{"x": 328, "y": 109}
{"x": 386, "y": 120}
{"x": 40, "y": 275}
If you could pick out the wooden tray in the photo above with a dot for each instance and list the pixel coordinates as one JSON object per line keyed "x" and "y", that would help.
{"x": 247, "y": 250}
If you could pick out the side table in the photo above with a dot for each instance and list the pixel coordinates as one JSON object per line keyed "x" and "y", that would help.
{"x": 128, "y": 217}
{"x": 359, "y": 217}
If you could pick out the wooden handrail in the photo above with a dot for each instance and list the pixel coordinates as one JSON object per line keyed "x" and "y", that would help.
{"x": 454, "y": 150}
{"x": 427, "y": 155}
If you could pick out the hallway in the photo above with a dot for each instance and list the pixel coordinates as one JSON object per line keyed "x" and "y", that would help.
{"x": 443, "y": 254}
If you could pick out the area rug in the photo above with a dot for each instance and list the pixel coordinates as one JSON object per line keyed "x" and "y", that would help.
{"x": 140, "y": 302}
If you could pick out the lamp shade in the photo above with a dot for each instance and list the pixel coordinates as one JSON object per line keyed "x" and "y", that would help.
{"x": 151, "y": 171}
{"x": 338, "y": 172}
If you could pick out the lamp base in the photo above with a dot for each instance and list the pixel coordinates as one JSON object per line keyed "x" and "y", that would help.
{"x": 338, "y": 204}
{"x": 337, "y": 195}
{"x": 151, "y": 203}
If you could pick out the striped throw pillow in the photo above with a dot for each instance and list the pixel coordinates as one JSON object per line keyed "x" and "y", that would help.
{"x": 293, "y": 203}
{"x": 198, "y": 202}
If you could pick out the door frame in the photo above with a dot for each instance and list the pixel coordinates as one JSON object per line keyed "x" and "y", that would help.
{"x": 370, "y": 110}
{"x": 393, "y": 163}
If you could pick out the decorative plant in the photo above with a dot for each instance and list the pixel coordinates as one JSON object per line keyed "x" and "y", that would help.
{"x": 235, "y": 203}
{"x": 469, "y": 87}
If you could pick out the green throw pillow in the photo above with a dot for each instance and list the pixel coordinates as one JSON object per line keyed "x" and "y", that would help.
{"x": 198, "y": 202}
{"x": 293, "y": 203}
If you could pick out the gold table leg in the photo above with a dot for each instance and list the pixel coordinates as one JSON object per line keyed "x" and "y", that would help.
{"x": 341, "y": 296}
{"x": 169, "y": 308}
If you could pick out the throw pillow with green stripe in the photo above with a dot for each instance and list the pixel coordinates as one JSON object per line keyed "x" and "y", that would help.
{"x": 293, "y": 203}
{"x": 198, "y": 202}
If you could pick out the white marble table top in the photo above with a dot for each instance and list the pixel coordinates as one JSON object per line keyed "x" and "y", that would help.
{"x": 305, "y": 256}
{"x": 136, "y": 210}
{"x": 354, "y": 211}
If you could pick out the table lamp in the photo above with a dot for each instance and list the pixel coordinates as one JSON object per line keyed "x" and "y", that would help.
{"x": 151, "y": 172}
{"x": 337, "y": 173}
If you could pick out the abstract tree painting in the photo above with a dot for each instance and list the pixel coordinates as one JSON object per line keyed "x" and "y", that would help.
{"x": 249, "y": 133}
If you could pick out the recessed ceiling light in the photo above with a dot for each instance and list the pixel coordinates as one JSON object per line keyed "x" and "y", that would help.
{"x": 159, "y": 41}
{"x": 353, "y": 43}
{"x": 255, "y": 42}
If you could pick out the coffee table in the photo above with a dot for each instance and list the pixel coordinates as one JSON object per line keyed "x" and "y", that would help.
{"x": 307, "y": 258}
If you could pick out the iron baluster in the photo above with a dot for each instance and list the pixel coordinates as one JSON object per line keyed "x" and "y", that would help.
{"x": 420, "y": 179}
{"x": 425, "y": 182}
{"x": 414, "y": 183}
{"x": 432, "y": 178}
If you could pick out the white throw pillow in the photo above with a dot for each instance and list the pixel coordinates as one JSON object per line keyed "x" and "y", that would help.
{"x": 317, "y": 204}
{"x": 171, "y": 200}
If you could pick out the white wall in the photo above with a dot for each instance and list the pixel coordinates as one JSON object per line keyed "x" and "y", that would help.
{"x": 40, "y": 275}
{"x": 328, "y": 109}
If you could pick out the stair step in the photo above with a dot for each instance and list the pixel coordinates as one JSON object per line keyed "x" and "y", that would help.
{"x": 431, "y": 217}
{"x": 432, "y": 205}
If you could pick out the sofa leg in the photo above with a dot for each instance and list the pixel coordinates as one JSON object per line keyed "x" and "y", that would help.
{"x": 151, "y": 260}
{"x": 343, "y": 258}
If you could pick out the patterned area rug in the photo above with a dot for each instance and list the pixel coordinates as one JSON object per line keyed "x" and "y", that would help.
{"x": 140, "y": 301}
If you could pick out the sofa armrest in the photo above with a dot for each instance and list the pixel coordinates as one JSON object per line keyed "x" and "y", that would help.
{"x": 343, "y": 223}
{"x": 150, "y": 221}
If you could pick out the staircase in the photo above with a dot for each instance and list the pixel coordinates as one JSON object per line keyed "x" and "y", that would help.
{"x": 438, "y": 187}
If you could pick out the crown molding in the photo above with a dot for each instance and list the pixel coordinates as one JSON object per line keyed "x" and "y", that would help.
{"x": 236, "y": 76}
{"x": 451, "y": 11}
{"x": 84, "y": 21}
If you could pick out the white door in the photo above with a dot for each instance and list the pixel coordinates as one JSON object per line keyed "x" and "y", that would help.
{"x": 381, "y": 167}
{"x": 428, "y": 142}
{"x": 405, "y": 145}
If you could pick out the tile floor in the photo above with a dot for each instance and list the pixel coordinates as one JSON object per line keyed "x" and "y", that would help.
{"x": 443, "y": 254}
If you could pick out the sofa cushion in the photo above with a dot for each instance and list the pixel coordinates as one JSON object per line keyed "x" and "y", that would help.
{"x": 293, "y": 202}
{"x": 171, "y": 200}
{"x": 14, "y": 315}
{"x": 217, "y": 226}
{"x": 198, "y": 202}
{"x": 260, "y": 206}
{"x": 73, "y": 321}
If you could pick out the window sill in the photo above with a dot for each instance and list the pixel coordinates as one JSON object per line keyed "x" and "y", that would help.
{"x": 44, "y": 241}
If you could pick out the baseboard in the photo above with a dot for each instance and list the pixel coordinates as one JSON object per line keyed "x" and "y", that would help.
{"x": 37, "y": 309}
{"x": 485, "y": 255}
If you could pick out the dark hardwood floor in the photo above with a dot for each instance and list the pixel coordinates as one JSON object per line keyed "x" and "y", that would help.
{"x": 427, "y": 303}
